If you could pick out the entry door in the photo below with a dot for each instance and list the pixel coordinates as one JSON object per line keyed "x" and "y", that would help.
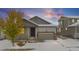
{"x": 32, "y": 31}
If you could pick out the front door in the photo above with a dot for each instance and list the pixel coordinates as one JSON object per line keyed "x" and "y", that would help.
{"x": 32, "y": 32}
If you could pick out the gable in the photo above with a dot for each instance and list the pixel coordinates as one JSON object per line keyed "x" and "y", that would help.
{"x": 39, "y": 20}
{"x": 28, "y": 23}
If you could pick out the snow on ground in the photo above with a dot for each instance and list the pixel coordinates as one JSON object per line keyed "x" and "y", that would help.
{"x": 48, "y": 45}
{"x": 71, "y": 44}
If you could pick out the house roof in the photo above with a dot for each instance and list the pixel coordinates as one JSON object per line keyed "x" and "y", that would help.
{"x": 49, "y": 25}
{"x": 72, "y": 16}
{"x": 39, "y": 20}
{"x": 32, "y": 20}
{"x": 74, "y": 25}
{"x": 69, "y": 17}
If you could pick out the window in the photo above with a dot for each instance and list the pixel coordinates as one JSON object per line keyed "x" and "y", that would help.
{"x": 77, "y": 20}
{"x": 65, "y": 28}
{"x": 73, "y": 20}
{"x": 61, "y": 22}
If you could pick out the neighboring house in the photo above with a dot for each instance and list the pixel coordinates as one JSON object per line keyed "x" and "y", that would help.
{"x": 38, "y": 28}
{"x": 64, "y": 22}
{"x": 74, "y": 30}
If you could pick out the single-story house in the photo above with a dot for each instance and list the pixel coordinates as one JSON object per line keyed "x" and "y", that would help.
{"x": 38, "y": 28}
{"x": 74, "y": 30}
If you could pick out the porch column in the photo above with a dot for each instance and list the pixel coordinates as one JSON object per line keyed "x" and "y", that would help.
{"x": 36, "y": 33}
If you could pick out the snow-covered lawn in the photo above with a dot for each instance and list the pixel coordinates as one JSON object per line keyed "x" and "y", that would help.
{"x": 47, "y": 45}
{"x": 71, "y": 44}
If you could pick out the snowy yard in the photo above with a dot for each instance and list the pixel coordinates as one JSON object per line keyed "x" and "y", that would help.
{"x": 47, "y": 45}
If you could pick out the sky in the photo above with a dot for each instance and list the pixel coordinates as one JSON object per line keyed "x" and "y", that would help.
{"x": 50, "y": 14}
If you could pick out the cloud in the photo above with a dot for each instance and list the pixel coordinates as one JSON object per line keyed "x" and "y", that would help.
{"x": 50, "y": 13}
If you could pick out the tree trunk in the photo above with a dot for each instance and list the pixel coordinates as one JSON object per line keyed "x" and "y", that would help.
{"x": 13, "y": 43}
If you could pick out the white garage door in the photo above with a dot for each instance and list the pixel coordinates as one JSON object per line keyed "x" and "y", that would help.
{"x": 45, "y": 36}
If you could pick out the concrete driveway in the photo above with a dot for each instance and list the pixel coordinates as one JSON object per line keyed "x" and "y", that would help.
{"x": 70, "y": 44}
{"x": 47, "y": 45}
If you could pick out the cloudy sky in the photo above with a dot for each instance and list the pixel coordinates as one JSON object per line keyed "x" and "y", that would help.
{"x": 50, "y": 14}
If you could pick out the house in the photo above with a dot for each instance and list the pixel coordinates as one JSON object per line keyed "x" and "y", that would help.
{"x": 73, "y": 30}
{"x": 38, "y": 28}
{"x": 64, "y": 22}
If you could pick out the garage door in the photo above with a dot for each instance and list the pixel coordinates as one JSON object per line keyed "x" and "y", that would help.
{"x": 45, "y": 36}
